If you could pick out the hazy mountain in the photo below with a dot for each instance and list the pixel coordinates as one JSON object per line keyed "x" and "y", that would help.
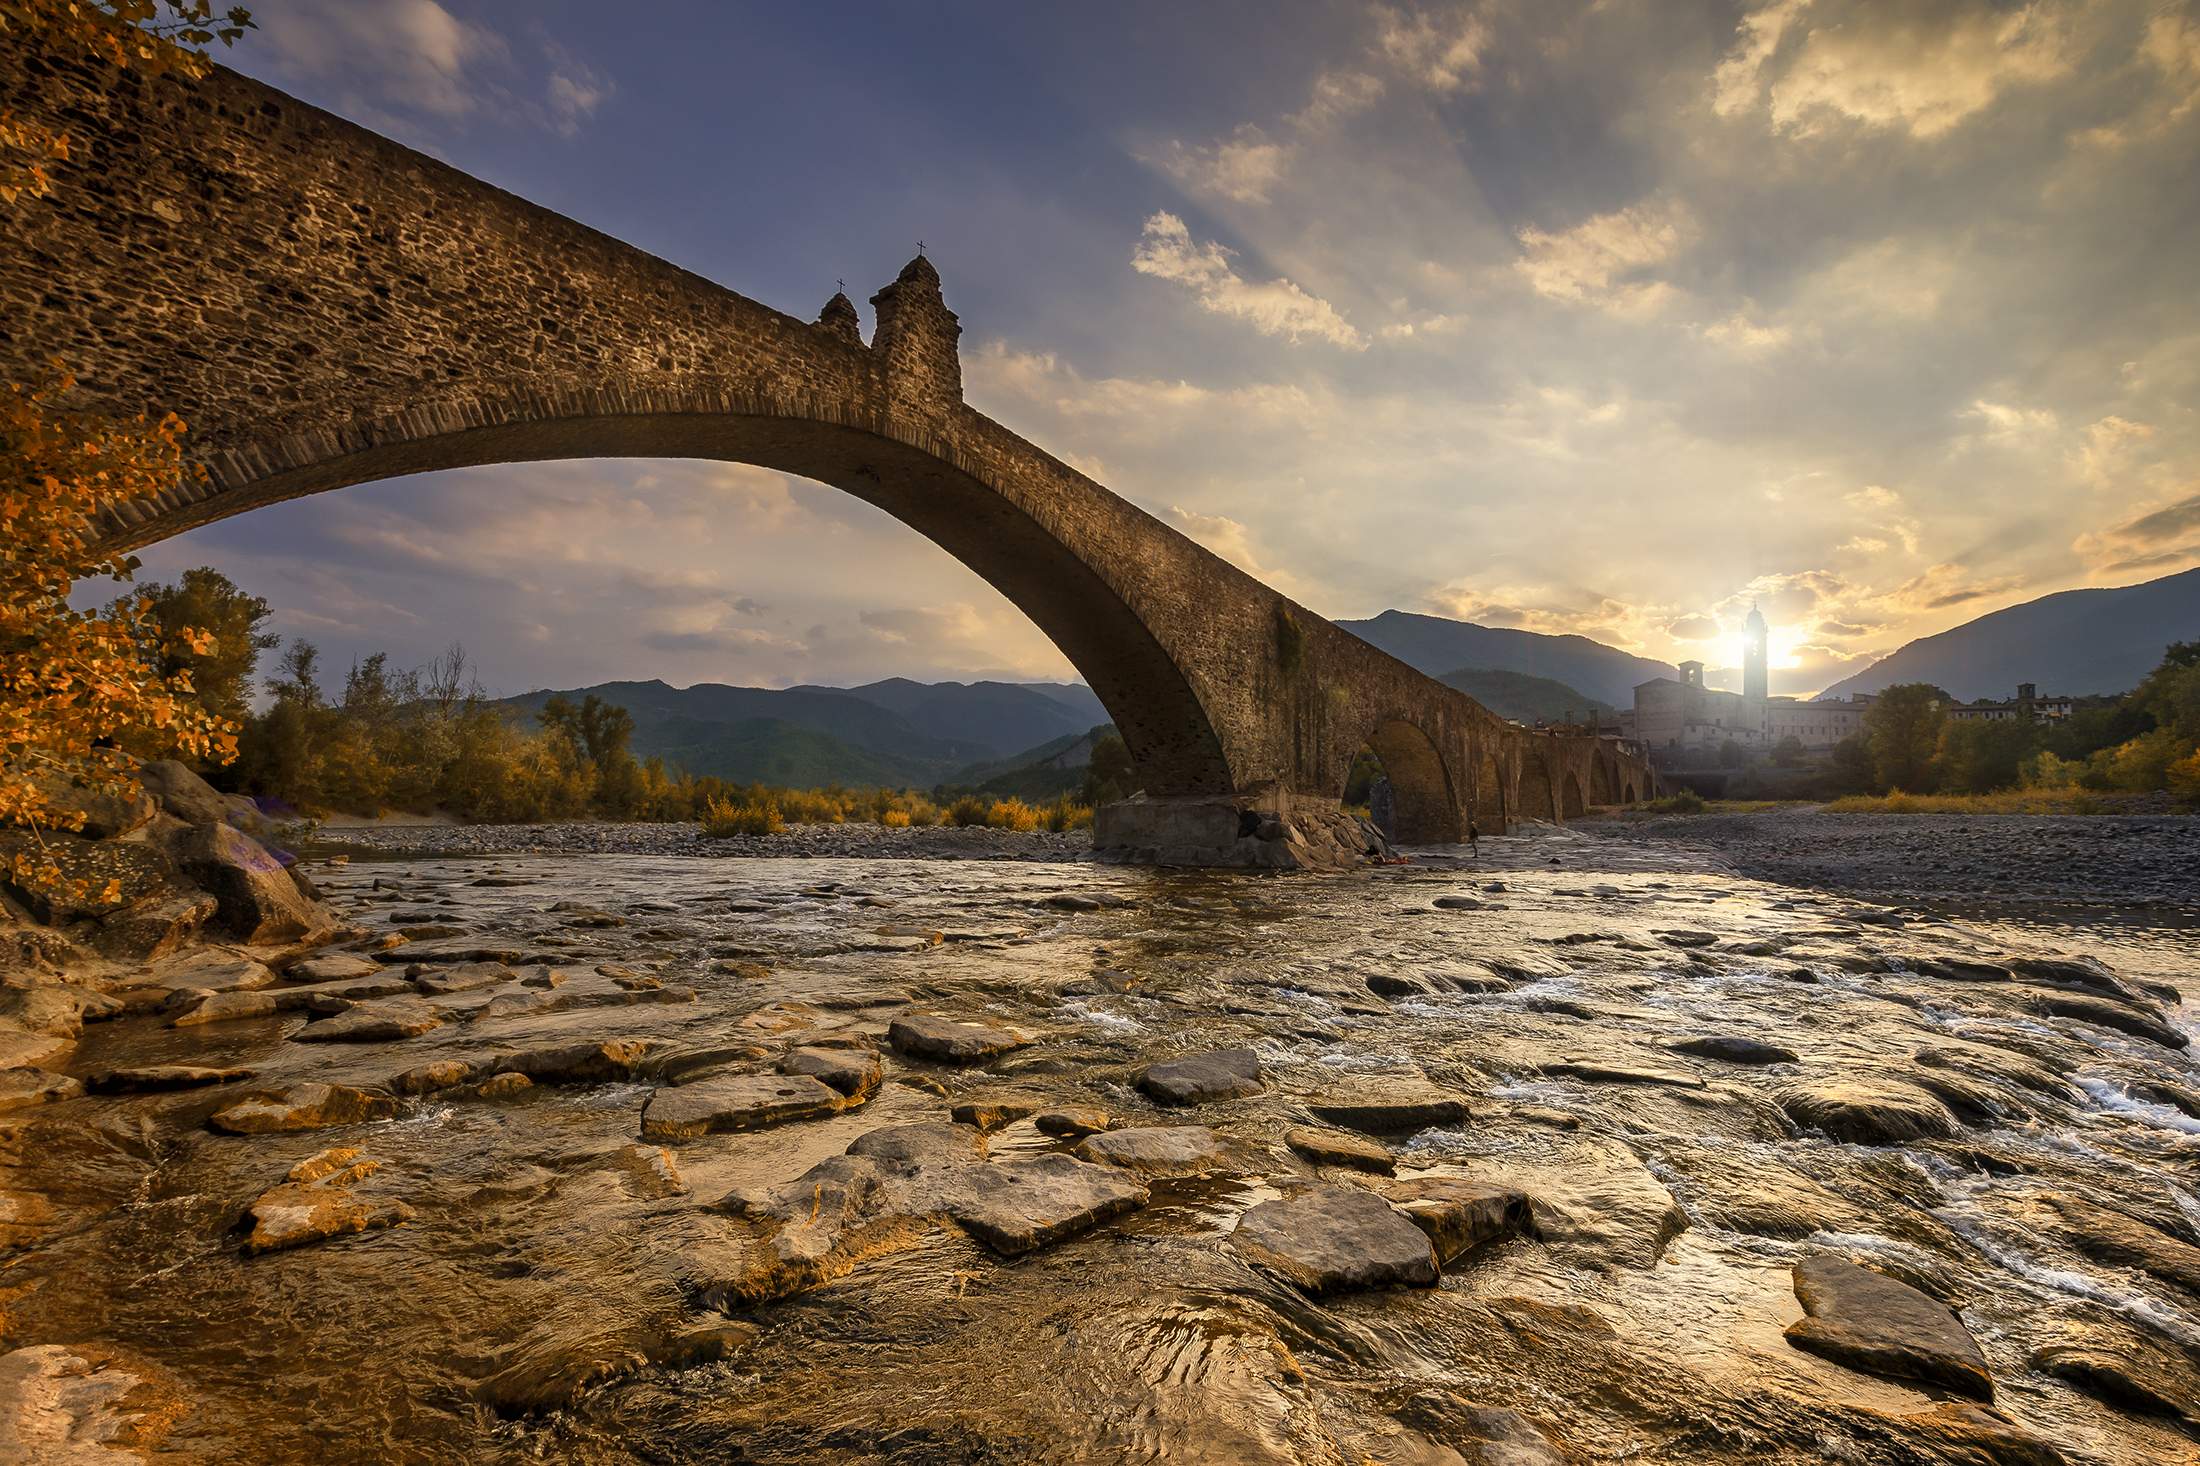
{"x": 1437, "y": 646}
{"x": 775, "y": 751}
{"x": 2075, "y": 641}
{"x": 1529, "y": 699}
{"x": 896, "y": 732}
{"x": 998, "y": 715}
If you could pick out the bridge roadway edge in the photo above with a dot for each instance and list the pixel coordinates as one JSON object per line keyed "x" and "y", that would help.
{"x": 599, "y": 349}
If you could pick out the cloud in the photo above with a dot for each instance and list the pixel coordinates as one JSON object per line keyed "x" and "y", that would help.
{"x": 2156, "y": 539}
{"x": 1736, "y": 77}
{"x": 1741, "y": 334}
{"x": 2105, "y": 455}
{"x": 1278, "y": 308}
{"x": 1944, "y": 586}
{"x": 1560, "y": 613}
{"x": 406, "y": 65}
{"x": 1694, "y": 628}
{"x": 1888, "y": 63}
{"x": 1244, "y": 168}
{"x": 1592, "y": 262}
{"x": 1444, "y": 57}
{"x": 1232, "y": 541}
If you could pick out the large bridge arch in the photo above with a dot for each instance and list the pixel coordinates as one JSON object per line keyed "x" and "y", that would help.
{"x": 325, "y": 307}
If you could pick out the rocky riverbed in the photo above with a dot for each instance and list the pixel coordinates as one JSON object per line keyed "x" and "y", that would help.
{"x": 1580, "y": 1150}
{"x": 2025, "y": 858}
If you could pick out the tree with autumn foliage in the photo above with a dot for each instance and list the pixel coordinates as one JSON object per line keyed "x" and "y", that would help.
{"x": 74, "y": 683}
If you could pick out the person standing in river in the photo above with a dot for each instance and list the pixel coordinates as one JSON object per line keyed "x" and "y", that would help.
{"x": 1474, "y": 839}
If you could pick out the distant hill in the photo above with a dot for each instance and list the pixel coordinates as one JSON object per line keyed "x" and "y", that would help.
{"x": 996, "y": 715}
{"x": 846, "y": 716}
{"x": 1438, "y": 646}
{"x": 1055, "y": 767}
{"x": 775, "y": 751}
{"x": 1529, "y": 699}
{"x": 897, "y": 732}
{"x": 2075, "y": 641}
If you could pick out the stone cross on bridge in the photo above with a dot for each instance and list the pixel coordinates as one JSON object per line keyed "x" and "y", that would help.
{"x": 325, "y": 307}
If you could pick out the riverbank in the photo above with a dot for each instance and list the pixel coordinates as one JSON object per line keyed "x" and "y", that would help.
{"x": 796, "y": 842}
{"x": 2112, "y": 859}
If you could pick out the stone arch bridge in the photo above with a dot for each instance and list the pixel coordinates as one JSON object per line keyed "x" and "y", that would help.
{"x": 325, "y": 307}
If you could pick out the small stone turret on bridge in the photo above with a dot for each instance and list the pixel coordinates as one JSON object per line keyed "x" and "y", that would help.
{"x": 325, "y": 307}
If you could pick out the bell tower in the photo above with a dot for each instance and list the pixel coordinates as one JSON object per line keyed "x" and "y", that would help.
{"x": 1756, "y": 657}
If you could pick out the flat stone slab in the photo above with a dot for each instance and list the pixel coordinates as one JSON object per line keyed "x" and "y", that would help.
{"x": 1072, "y": 1123}
{"x": 1594, "y": 1071}
{"x": 300, "y": 1107}
{"x": 1867, "y": 1110}
{"x": 1156, "y": 1150}
{"x": 378, "y": 1022}
{"x": 1019, "y": 1206}
{"x": 1458, "y": 1216}
{"x": 1390, "y": 1108}
{"x": 2134, "y": 1369}
{"x": 929, "y": 1143}
{"x": 738, "y": 1102}
{"x": 953, "y": 1041}
{"x": 1335, "y": 1148}
{"x": 854, "y": 1072}
{"x": 234, "y": 975}
{"x": 1336, "y": 1239}
{"x": 157, "y": 1077}
{"x": 339, "y": 993}
{"x": 992, "y": 1114}
{"x": 27, "y": 1084}
{"x": 1199, "y": 1079}
{"x": 2109, "y": 1013}
{"x": 465, "y": 978}
{"x": 612, "y": 1062}
{"x": 1733, "y": 1049}
{"x": 880, "y": 1196}
{"x": 2107, "y": 1235}
{"x": 222, "y": 1007}
{"x": 313, "y": 1203}
{"x": 330, "y": 968}
{"x": 1872, "y": 1323}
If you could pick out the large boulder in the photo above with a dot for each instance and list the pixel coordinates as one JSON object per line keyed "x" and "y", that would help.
{"x": 106, "y": 815}
{"x": 259, "y": 901}
{"x": 146, "y": 933}
{"x": 1336, "y": 1239}
{"x": 1195, "y": 1079}
{"x": 119, "y": 877}
{"x": 182, "y": 793}
{"x": 1871, "y": 1322}
{"x": 300, "y": 1107}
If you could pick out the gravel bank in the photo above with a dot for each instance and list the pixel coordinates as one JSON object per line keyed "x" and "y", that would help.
{"x": 940, "y": 842}
{"x": 2147, "y": 859}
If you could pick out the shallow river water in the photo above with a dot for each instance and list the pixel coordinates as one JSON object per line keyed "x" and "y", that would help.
{"x": 566, "y": 1289}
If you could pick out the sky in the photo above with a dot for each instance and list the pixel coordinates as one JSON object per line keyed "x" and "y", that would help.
{"x": 1610, "y": 318}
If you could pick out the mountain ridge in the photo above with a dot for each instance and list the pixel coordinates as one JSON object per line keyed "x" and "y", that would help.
{"x": 2095, "y": 640}
{"x": 1439, "y": 646}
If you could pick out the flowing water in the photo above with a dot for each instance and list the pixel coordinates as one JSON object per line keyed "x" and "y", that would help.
{"x": 557, "y": 1295}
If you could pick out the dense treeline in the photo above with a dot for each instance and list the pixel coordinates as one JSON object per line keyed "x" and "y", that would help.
{"x": 1910, "y": 745}
{"x": 431, "y": 739}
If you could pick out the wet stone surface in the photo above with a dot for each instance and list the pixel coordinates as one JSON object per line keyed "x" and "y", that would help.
{"x": 1627, "y": 1099}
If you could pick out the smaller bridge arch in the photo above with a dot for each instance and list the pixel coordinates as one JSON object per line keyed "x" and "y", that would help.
{"x": 1423, "y": 790}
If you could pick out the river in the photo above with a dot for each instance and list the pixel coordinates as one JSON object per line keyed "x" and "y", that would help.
{"x": 566, "y": 1288}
